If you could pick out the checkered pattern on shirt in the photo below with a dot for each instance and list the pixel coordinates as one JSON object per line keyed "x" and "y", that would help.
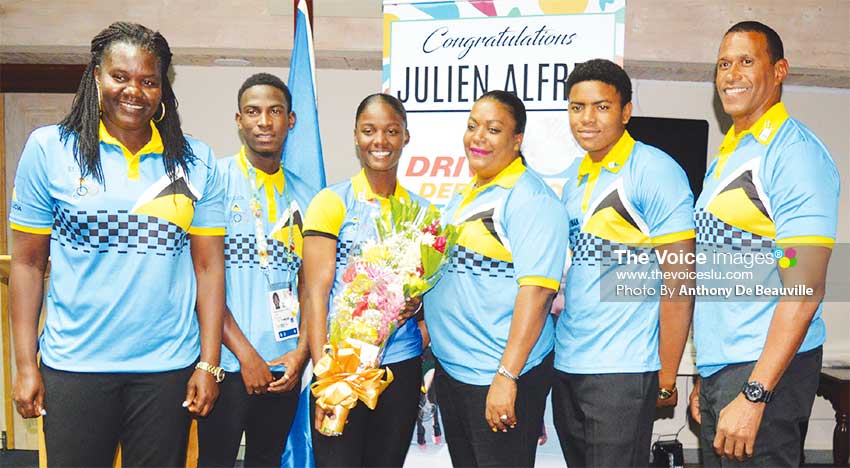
{"x": 120, "y": 231}
{"x": 712, "y": 232}
{"x": 591, "y": 250}
{"x": 465, "y": 260}
{"x": 240, "y": 251}
{"x": 345, "y": 249}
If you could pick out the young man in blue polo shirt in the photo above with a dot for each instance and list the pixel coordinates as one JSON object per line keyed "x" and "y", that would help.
{"x": 772, "y": 192}
{"x": 263, "y": 352}
{"x": 619, "y": 341}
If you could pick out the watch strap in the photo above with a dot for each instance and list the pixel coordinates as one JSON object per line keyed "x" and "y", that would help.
{"x": 215, "y": 371}
{"x": 666, "y": 393}
{"x": 506, "y": 373}
{"x": 765, "y": 397}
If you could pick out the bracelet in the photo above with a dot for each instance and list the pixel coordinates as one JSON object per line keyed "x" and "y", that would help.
{"x": 506, "y": 373}
{"x": 666, "y": 393}
{"x": 215, "y": 371}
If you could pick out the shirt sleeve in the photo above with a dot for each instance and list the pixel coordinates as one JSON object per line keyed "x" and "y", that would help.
{"x": 665, "y": 201}
{"x": 535, "y": 224}
{"x": 324, "y": 215}
{"x": 208, "y": 219}
{"x": 32, "y": 205}
{"x": 803, "y": 188}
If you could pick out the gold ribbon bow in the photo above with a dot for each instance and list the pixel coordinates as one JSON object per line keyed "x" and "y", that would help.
{"x": 339, "y": 385}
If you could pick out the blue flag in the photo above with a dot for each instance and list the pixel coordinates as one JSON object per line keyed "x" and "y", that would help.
{"x": 302, "y": 153}
{"x": 299, "y": 444}
{"x": 302, "y": 156}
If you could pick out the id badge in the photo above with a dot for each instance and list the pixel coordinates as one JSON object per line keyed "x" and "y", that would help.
{"x": 283, "y": 308}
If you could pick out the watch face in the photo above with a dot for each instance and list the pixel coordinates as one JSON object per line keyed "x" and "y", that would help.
{"x": 753, "y": 391}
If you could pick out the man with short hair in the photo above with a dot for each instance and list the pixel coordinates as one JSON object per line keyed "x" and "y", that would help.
{"x": 617, "y": 350}
{"x": 771, "y": 192}
{"x": 263, "y": 352}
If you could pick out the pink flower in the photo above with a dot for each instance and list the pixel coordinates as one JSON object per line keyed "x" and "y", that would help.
{"x": 349, "y": 274}
{"x": 361, "y": 267}
{"x": 372, "y": 271}
{"x": 440, "y": 244}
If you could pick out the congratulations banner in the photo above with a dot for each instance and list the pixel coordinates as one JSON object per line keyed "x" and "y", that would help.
{"x": 440, "y": 56}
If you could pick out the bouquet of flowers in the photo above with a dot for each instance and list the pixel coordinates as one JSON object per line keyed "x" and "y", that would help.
{"x": 404, "y": 262}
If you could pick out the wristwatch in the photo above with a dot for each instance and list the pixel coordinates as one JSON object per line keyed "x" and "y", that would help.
{"x": 755, "y": 392}
{"x": 506, "y": 373}
{"x": 216, "y": 372}
{"x": 666, "y": 393}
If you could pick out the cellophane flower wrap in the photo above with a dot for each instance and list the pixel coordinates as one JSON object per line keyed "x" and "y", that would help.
{"x": 404, "y": 261}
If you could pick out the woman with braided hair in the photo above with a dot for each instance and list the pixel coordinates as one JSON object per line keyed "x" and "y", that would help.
{"x": 112, "y": 195}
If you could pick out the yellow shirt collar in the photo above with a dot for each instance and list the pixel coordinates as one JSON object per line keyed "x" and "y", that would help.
{"x": 275, "y": 179}
{"x": 153, "y": 146}
{"x": 361, "y": 187}
{"x": 507, "y": 178}
{"x": 612, "y": 162}
{"x": 763, "y": 130}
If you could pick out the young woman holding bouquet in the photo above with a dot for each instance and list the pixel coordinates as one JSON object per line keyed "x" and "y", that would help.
{"x": 488, "y": 316}
{"x": 112, "y": 194}
{"x": 338, "y": 220}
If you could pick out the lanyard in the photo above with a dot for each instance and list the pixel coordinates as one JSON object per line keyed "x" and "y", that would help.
{"x": 259, "y": 225}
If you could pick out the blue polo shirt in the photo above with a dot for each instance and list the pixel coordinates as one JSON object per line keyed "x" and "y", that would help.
{"x": 122, "y": 286}
{"x": 774, "y": 185}
{"x": 513, "y": 232}
{"x": 346, "y": 212}
{"x": 637, "y": 197}
{"x": 284, "y": 198}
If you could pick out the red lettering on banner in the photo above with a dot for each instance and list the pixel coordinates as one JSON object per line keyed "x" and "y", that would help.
{"x": 418, "y": 166}
{"x": 444, "y": 164}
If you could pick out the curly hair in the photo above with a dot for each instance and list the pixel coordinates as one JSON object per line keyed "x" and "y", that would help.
{"x": 605, "y": 71}
{"x": 82, "y": 123}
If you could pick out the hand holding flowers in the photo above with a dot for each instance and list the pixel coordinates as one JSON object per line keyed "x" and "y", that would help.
{"x": 383, "y": 289}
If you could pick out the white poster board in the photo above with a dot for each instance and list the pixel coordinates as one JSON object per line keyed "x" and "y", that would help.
{"x": 440, "y": 56}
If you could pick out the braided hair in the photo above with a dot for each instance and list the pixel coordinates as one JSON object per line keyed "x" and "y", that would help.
{"x": 83, "y": 121}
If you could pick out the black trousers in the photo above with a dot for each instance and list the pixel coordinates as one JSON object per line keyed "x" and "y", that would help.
{"x": 380, "y": 437}
{"x": 604, "y": 419}
{"x": 471, "y": 441}
{"x": 88, "y": 414}
{"x": 265, "y": 420}
{"x": 778, "y": 439}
